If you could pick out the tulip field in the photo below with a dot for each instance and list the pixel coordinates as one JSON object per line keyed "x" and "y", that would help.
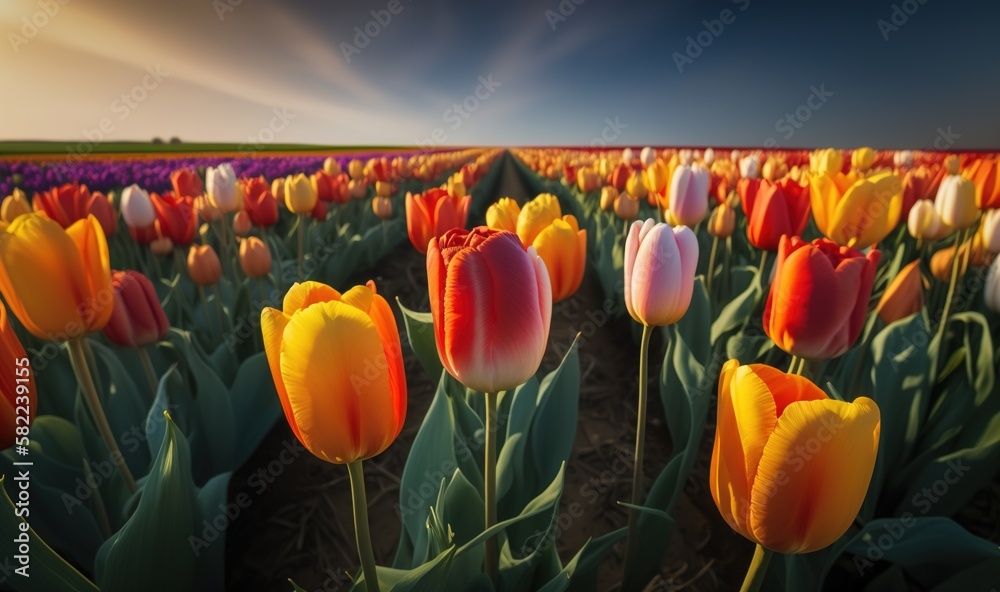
{"x": 524, "y": 369}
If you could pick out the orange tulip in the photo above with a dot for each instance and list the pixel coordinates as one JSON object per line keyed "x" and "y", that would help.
{"x": 904, "y": 296}
{"x": 563, "y": 247}
{"x": 71, "y": 202}
{"x": 255, "y": 257}
{"x": 204, "y": 266}
{"x": 337, "y": 365}
{"x": 432, "y": 213}
{"x": 790, "y": 466}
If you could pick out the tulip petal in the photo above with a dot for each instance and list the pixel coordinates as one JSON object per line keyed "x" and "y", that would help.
{"x": 272, "y": 326}
{"x": 814, "y": 473}
{"x": 92, "y": 246}
{"x": 728, "y": 476}
{"x": 302, "y": 295}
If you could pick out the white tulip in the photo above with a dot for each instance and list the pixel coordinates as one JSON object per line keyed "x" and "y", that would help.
{"x": 137, "y": 207}
{"x": 220, "y": 184}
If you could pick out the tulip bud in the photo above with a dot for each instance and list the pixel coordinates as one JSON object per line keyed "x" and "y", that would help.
{"x": 136, "y": 207}
{"x": 951, "y": 164}
{"x": 503, "y": 215}
{"x": 161, "y": 246}
{"x": 137, "y": 318}
{"x": 660, "y": 265}
{"x": 382, "y": 207}
{"x": 626, "y": 208}
{"x": 991, "y": 293}
{"x": 331, "y": 166}
{"x": 278, "y": 190}
{"x": 709, "y": 157}
{"x": 608, "y": 197}
{"x": 456, "y": 187}
{"x": 241, "y": 223}
{"x": 904, "y": 296}
{"x": 635, "y": 185}
{"x": 358, "y": 189}
{"x": 356, "y": 169}
{"x": 722, "y": 222}
{"x": 255, "y": 257}
{"x": 734, "y": 155}
{"x": 220, "y": 185}
{"x": 923, "y": 222}
{"x": 863, "y": 159}
{"x": 774, "y": 169}
{"x": 14, "y": 205}
{"x": 956, "y": 202}
{"x": 903, "y": 159}
{"x": 204, "y": 266}
{"x": 628, "y": 156}
{"x": 647, "y": 156}
{"x": 383, "y": 189}
{"x": 207, "y": 210}
{"x": 990, "y": 231}
{"x": 750, "y": 167}
{"x": 300, "y": 195}
{"x": 689, "y": 194}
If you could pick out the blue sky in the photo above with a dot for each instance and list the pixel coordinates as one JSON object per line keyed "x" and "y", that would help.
{"x": 546, "y": 72}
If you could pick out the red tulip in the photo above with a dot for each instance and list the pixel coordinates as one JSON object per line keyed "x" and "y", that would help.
{"x": 324, "y": 184}
{"x": 260, "y": 203}
{"x": 137, "y": 318}
{"x": 773, "y": 210}
{"x": 619, "y": 176}
{"x": 430, "y": 214}
{"x": 319, "y": 211}
{"x": 186, "y": 183}
{"x": 17, "y": 383}
{"x": 71, "y": 202}
{"x": 819, "y": 297}
{"x": 380, "y": 170}
{"x": 176, "y": 219}
{"x": 491, "y": 303}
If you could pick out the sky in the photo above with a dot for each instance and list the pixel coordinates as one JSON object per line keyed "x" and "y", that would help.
{"x": 890, "y": 74}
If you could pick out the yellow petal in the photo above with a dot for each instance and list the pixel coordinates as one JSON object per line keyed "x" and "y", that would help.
{"x": 814, "y": 474}
{"x": 340, "y": 397}
{"x": 727, "y": 474}
{"x": 272, "y": 326}
{"x": 92, "y": 246}
{"x": 41, "y": 277}
{"x": 305, "y": 294}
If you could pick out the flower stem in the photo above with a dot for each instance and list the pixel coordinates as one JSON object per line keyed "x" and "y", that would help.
{"x": 640, "y": 439}
{"x": 147, "y": 367}
{"x": 758, "y": 567}
{"x": 79, "y": 360}
{"x": 361, "y": 531}
{"x": 711, "y": 267}
{"x": 302, "y": 232}
{"x": 490, "y": 484}
{"x": 943, "y": 326}
{"x": 792, "y": 367}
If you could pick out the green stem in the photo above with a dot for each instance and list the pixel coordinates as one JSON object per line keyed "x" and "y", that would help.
{"x": 204, "y": 310}
{"x": 79, "y": 362}
{"x": 95, "y": 372}
{"x": 640, "y": 440}
{"x": 302, "y": 231}
{"x": 794, "y": 363}
{"x": 760, "y": 270}
{"x": 711, "y": 267}
{"x": 758, "y": 567}
{"x": 490, "y": 484}
{"x": 943, "y": 326}
{"x": 361, "y": 531}
{"x": 147, "y": 367}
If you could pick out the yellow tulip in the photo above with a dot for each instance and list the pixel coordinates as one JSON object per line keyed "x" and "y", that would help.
{"x": 14, "y": 205}
{"x": 536, "y": 215}
{"x": 503, "y": 215}
{"x": 337, "y": 365}
{"x": 300, "y": 194}
{"x": 57, "y": 282}
{"x": 856, "y": 212}
{"x": 563, "y": 248}
{"x": 790, "y": 466}
{"x": 863, "y": 158}
{"x": 608, "y": 196}
{"x": 827, "y": 161}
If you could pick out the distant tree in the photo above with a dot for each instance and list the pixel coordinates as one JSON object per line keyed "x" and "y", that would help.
{"x": 175, "y": 140}
{"x": 157, "y": 140}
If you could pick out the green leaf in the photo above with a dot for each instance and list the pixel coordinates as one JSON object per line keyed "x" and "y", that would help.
{"x": 553, "y": 427}
{"x": 420, "y": 335}
{"x": 736, "y": 313}
{"x": 580, "y": 574}
{"x": 256, "y": 408}
{"x": 152, "y": 551}
{"x": 46, "y": 571}
{"x": 213, "y": 502}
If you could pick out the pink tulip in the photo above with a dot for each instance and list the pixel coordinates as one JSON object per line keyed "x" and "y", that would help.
{"x": 689, "y": 195}
{"x": 660, "y": 263}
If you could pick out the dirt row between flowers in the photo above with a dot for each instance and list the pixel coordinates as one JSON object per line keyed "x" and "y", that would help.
{"x": 298, "y": 522}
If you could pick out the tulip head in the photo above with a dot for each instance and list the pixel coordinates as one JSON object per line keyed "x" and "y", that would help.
{"x": 17, "y": 389}
{"x": 221, "y": 187}
{"x": 608, "y": 197}
{"x": 722, "y": 221}
{"x": 14, "y": 205}
{"x": 203, "y": 265}
{"x": 491, "y": 302}
{"x": 337, "y": 365}
{"x": 186, "y": 183}
{"x": 207, "y": 210}
{"x": 356, "y": 169}
{"x": 952, "y": 164}
{"x": 503, "y": 215}
{"x": 990, "y": 231}
{"x": 278, "y": 189}
{"x": 828, "y": 161}
{"x": 536, "y": 215}
{"x": 57, "y": 282}
{"x": 986, "y": 176}
{"x": 956, "y": 202}
{"x": 689, "y": 195}
{"x": 300, "y": 194}
{"x": 161, "y": 246}
{"x": 137, "y": 208}
{"x": 647, "y": 156}
{"x": 241, "y": 223}
{"x": 862, "y": 159}
{"x": 255, "y": 257}
{"x": 924, "y": 223}
{"x": 774, "y": 169}
{"x": 626, "y": 207}
{"x": 259, "y": 202}
{"x": 855, "y": 211}
{"x": 636, "y": 185}
{"x": 903, "y": 158}
{"x": 432, "y": 213}
{"x": 383, "y": 189}
{"x": 765, "y": 487}
{"x": 137, "y": 318}
{"x": 750, "y": 167}
{"x": 904, "y": 296}
{"x": 818, "y": 300}
{"x": 619, "y": 176}
{"x": 660, "y": 264}
{"x": 331, "y": 166}
{"x": 773, "y": 210}
{"x": 357, "y": 188}
{"x": 382, "y": 207}
{"x": 563, "y": 247}
{"x": 71, "y": 202}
